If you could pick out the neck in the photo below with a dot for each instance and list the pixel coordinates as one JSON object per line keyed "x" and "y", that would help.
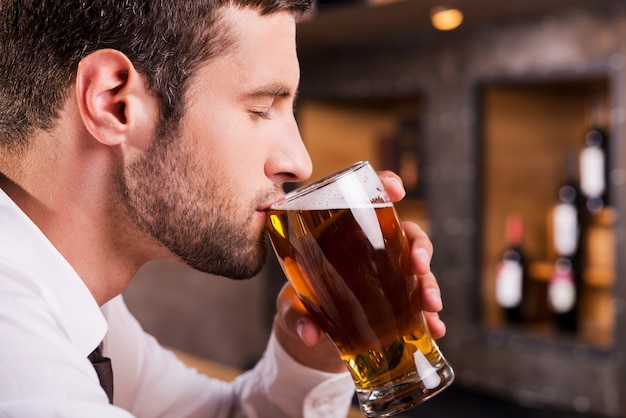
{"x": 68, "y": 194}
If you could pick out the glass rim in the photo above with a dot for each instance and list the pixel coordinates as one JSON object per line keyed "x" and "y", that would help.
{"x": 317, "y": 184}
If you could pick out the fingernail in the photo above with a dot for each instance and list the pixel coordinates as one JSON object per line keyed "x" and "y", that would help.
{"x": 423, "y": 255}
{"x": 396, "y": 181}
{"x": 433, "y": 292}
{"x": 435, "y": 297}
{"x": 300, "y": 328}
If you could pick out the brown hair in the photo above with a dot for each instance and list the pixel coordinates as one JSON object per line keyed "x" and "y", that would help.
{"x": 42, "y": 42}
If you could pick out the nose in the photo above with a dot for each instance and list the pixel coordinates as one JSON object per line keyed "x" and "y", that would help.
{"x": 290, "y": 160}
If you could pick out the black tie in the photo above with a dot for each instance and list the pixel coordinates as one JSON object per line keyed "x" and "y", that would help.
{"x": 103, "y": 369}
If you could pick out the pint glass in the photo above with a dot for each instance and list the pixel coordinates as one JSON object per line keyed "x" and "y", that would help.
{"x": 341, "y": 246}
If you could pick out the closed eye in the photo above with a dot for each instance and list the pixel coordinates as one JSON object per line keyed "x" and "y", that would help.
{"x": 260, "y": 114}
{"x": 267, "y": 100}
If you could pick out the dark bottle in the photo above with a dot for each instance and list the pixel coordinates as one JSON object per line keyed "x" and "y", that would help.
{"x": 564, "y": 295}
{"x": 511, "y": 275}
{"x": 594, "y": 170}
{"x": 567, "y": 213}
{"x": 568, "y": 232}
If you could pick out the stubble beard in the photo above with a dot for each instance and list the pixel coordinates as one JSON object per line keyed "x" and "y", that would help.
{"x": 197, "y": 222}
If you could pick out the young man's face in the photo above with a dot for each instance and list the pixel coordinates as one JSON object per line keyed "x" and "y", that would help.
{"x": 204, "y": 196}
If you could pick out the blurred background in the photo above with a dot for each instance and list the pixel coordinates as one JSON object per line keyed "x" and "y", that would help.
{"x": 507, "y": 126}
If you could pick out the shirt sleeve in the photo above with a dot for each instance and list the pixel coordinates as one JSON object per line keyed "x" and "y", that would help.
{"x": 150, "y": 381}
{"x": 281, "y": 387}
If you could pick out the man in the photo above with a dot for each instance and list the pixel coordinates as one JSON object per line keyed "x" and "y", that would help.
{"x": 132, "y": 131}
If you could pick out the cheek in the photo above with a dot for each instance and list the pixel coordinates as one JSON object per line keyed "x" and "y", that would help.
{"x": 239, "y": 151}
{"x": 216, "y": 133}
{"x": 227, "y": 143}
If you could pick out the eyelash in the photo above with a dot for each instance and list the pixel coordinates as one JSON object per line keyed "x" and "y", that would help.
{"x": 261, "y": 115}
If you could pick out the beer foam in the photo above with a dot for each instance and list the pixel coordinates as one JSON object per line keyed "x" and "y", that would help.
{"x": 356, "y": 189}
{"x": 327, "y": 202}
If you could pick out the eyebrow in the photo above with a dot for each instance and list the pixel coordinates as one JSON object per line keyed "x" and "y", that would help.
{"x": 274, "y": 90}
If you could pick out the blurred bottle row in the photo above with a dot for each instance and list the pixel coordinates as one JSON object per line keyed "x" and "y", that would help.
{"x": 549, "y": 292}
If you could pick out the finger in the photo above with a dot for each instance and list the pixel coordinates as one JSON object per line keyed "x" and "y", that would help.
{"x": 392, "y": 184}
{"x": 430, "y": 293}
{"x": 436, "y": 326}
{"x": 421, "y": 248}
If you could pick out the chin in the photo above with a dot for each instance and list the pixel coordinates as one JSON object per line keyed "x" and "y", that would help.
{"x": 239, "y": 264}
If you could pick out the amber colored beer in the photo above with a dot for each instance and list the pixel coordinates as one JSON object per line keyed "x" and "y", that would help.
{"x": 351, "y": 270}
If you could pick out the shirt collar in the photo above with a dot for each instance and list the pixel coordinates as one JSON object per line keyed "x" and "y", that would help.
{"x": 24, "y": 243}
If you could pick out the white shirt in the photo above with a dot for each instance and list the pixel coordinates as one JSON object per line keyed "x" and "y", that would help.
{"x": 50, "y": 322}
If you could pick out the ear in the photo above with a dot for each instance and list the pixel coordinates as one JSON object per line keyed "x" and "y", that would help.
{"x": 113, "y": 99}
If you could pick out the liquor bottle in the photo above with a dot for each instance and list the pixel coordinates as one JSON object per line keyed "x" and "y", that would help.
{"x": 566, "y": 213}
{"x": 568, "y": 231}
{"x": 564, "y": 295}
{"x": 594, "y": 162}
{"x": 511, "y": 275}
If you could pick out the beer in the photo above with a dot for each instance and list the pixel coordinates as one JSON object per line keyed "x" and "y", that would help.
{"x": 351, "y": 270}
{"x": 341, "y": 245}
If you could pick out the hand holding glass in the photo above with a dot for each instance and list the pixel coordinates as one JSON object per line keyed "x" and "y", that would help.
{"x": 342, "y": 248}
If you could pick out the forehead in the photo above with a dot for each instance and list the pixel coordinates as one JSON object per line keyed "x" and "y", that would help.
{"x": 262, "y": 51}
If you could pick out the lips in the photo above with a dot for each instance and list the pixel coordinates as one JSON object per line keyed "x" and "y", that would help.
{"x": 269, "y": 202}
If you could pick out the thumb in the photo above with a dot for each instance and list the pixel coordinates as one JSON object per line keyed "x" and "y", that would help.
{"x": 293, "y": 318}
{"x": 300, "y": 336}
